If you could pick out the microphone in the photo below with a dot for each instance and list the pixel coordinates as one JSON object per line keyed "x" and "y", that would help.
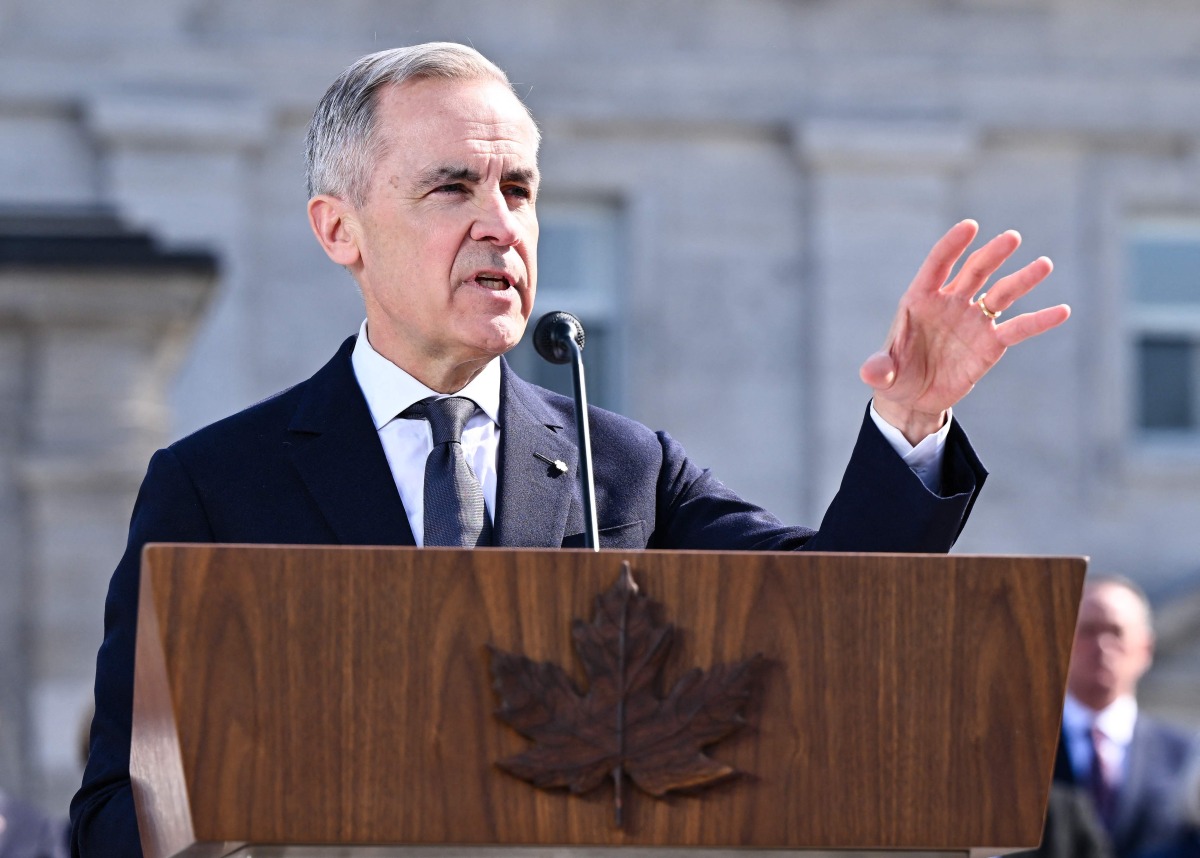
{"x": 559, "y": 338}
{"x": 553, "y": 334}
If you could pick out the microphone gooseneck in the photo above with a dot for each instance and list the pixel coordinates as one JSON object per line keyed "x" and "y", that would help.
{"x": 558, "y": 337}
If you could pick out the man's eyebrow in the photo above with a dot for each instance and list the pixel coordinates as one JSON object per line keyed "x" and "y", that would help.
{"x": 521, "y": 175}
{"x": 438, "y": 175}
{"x": 435, "y": 176}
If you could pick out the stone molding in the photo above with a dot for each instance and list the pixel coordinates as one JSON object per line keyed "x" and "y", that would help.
{"x": 885, "y": 143}
{"x": 178, "y": 121}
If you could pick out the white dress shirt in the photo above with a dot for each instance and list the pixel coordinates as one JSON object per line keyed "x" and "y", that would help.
{"x": 407, "y": 443}
{"x": 1116, "y": 722}
{"x": 389, "y": 390}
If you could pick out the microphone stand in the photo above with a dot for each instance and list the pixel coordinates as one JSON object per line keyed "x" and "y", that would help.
{"x": 591, "y": 527}
{"x": 559, "y": 338}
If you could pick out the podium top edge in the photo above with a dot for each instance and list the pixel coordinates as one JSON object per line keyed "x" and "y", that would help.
{"x": 610, "y": 552}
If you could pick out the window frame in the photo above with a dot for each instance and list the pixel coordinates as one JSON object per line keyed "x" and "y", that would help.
{"x": 1165, "y": 319}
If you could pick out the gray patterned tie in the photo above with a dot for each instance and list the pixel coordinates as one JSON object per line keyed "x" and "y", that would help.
{"x": 455, "y": 514}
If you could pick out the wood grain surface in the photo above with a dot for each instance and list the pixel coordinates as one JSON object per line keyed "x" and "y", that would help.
{"x": 342, "y": 695}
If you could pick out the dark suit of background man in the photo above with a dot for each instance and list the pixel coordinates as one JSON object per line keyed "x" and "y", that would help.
{"x": 1130, "y": 763}
{"x": 27, "y": 832}
{"x": 423, "y": 178}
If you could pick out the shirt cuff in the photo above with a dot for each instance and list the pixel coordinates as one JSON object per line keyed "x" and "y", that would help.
{"x": 925, "y": 459}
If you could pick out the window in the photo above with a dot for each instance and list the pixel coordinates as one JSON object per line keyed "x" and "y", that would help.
{"x": 1164, "y": 260}
{"x": 579, "y": 253}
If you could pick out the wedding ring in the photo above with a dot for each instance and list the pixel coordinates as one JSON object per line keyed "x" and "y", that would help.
{"x": 986, "y": 311}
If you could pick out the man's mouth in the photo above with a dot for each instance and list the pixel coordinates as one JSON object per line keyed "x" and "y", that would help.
{"x": 493, "y": 282}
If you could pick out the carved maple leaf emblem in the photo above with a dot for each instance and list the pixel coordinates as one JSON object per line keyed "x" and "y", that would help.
{"x": 623, "y": 724}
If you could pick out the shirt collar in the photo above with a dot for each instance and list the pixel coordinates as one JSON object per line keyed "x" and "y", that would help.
{"x": 1116, "y": 721}
{"x": 389, "y": 390}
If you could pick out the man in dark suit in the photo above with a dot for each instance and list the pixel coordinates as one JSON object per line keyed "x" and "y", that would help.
{"x": 27, "y": 832}
{"x": 1072, "y": 829}
{"x": 1130, "y": 763}
{"x": 423, "y": 180}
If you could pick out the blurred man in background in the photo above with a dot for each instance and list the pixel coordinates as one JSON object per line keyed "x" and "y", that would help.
{"x": 1130, "y": 763}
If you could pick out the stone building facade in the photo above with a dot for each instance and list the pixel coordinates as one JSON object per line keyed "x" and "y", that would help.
{"x": 735, "y": 194}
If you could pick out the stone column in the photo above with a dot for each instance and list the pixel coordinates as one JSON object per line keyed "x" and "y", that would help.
{"x": 882, "y": 191}
{"x": 93, "y": 323}
{"x": 185, "y": 163}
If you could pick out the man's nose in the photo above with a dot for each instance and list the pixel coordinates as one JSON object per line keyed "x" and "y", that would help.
{"x": 496, "y": 222}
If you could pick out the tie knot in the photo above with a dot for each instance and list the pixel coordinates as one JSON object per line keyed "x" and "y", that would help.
{"x": 446, "y": 417}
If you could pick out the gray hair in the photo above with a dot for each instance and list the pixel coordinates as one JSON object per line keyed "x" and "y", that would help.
{"x": 341, "y": 148}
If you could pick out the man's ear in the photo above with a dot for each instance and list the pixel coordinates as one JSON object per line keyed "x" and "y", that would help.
{"x": 331, "y": 220}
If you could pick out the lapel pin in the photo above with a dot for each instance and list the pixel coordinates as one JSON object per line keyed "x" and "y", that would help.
{"x": 557, "y": 464}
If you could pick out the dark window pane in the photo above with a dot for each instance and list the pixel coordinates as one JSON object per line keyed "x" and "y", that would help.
{"x": 1166, "y": 367}
{"x": 1166, "y": 270}
{"x": 577, "y": 254}
{"x": 562, "y": 255}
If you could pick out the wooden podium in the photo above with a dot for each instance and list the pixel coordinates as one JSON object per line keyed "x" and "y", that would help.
{"x": 343, "y": 698}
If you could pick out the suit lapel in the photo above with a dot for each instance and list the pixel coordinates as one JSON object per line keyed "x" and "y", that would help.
{"x": 1132, "y": 791}
{"x": 335, "y": 448}
{"x": 534, "y": 498}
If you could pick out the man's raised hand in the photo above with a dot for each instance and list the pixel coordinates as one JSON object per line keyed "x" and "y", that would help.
{"x": 942, "y": 341}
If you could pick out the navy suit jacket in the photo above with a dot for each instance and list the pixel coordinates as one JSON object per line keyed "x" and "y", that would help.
{"x": 1148, "y": 804}
{"x": 1072, "y": 828}
{"x": 306, "y": 467}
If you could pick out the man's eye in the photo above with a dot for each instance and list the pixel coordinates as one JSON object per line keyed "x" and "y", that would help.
{"x": 519, "y": 191}
{"x": 455, "y": 188}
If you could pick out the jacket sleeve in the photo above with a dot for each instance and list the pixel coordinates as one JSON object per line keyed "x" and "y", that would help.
{"x": 103, "y": 821}
{"x": 881, "y": 505}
